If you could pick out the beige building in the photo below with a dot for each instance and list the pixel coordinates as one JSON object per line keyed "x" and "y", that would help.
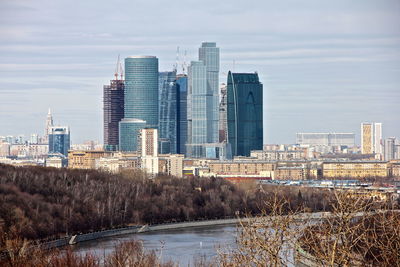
{"x": 290, "y": 173}
{"x": 367, "y": 138}
{"x": 241, "y": 167}
{"x": 355, "y": 169}
{"x": 171, "y": 164}
{"x": 117, "y": 164}
{"x": 85, "y": 159}
{"x": 278, "y": 154}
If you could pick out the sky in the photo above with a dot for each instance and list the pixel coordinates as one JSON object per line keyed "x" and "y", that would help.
{"x": 326, "y": 66}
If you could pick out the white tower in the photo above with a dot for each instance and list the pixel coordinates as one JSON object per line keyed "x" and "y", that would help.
{"x": 49, "y": 123}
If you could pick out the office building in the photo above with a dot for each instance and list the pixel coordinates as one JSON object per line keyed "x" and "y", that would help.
{"x": 325, "y": 139}
{"x": 371, "y": 138}
{"x": 59, "y": 140}
{"x": 203, "y": 100}
{"x": 390, "y": 149}
{"x": 168, "y": 118}
{"x": 113, "y": 108}
{"x": 140, "y": 99}
{"x": 182, "y": 118}
{"x": 356, "y": 169}
{"x": 244, "y": 113}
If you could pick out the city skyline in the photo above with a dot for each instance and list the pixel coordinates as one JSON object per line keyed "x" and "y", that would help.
{"x": 346, "y": 67}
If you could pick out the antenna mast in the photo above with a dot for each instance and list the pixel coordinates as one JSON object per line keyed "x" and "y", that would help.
{"x": 176, "y": 59}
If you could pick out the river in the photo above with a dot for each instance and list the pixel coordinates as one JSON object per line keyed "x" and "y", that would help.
{"x": 182, "y": 246}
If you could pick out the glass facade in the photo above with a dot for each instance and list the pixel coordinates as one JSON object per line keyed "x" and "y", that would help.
{"x": 244, "y": 113}
{"x": 59, "y": 140}
{"x": 141, "y": 97}
{"x": 168, "y": 118}
{"x": 128, "y": 133}
{"x": 182, "y": 123}
{"x": 209, "y": 55}
{"x": 113, "y": 108}
{"x": 203, "y": 100}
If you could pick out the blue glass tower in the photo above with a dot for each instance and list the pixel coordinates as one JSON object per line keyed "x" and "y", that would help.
{"x": 168, "y": 118}
{"x": 203, "y": 97}
{"x": 244, "y": 113}
{"x": 182, "y": 123}
{"x": 59, "y": 140}
{"x": 141, "y": 98}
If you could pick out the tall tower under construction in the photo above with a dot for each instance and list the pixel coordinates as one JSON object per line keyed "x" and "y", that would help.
{"x": 113, "y": 106}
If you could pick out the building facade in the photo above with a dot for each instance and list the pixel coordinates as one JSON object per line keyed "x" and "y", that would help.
{"x": 168, "y": 118}
{"x": 59, "y": 140}
{"x": 113, "y": 108}
{"x": 326, "y": 139}
{"x": 357, "y": 169}
{"x": 182, "y": 118}
{"x": 244, "y": 113}
{"x": 202, "y": 100}
{"x": 140, "y": 99}
{"x": 390, "y": 148}
{"x": 371, "y": 138}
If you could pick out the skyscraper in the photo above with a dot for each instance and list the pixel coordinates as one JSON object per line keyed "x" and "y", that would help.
{"x": 390, "y": 148}
{"x": 59, "y": 140}
{"x": 141, "y": 99}
{"x": 168, "y": 118}
{"x": 209, "y": 55}
{"x": 244, "y": 113}
{"x": 371, "y": 138}
{"x": 203, "y": 100}
{"x": 113, "y": 108}
{"x": 49, "y": 123}
{"x": 222, "y": 115}
{"x": 182, "y": 123}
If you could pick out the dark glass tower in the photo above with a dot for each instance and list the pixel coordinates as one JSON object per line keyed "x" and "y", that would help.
{"x": 244, "y": 113}
{"x": 113, "y": 105}
{"x": 182, "y": 125}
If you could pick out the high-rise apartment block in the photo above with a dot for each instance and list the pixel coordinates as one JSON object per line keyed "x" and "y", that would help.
{"x": 148, "y": 149}
{"x": 203, "y": 98}
{"x": 168, "y": 118}
{"x": 59, "y": 140}
{"x": 390, "y": 149}
{"x": 244, "y": 113}
{"x": 371, "y": 138}
{"x": 141, "y": 99}
{"x": 113, "y": 108}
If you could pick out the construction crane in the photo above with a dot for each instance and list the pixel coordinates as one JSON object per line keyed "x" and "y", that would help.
{"x": 119, "y": 71}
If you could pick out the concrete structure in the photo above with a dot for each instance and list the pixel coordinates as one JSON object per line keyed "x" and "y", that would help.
{"x": 141, "y": 99}
{"x": 168, "y": 113}
{"x": 244, "y": 113}
{"x": 390, "y": 148}
{"x": 355, "y": 169}
{"x": 59, "y": 139}
{"x": 29, "y": 151}
{"x": 325, "y": 139}
{"x": 223, "y": 123}
{"x": 117, "y": 164}
{"x": 371, "y": 138}
{"x": 202, "y": 103}
{"x": 49, "y": 123}
{"x": 248, "y": 167}
{"x": 56, "y": 161}
{"x": 85, "y": 159}
{"x": 171, "y": 164}
{"x": 113, "y": 108}
{"x": 148, "y": 149}
{"x": 279, "y": 154}
{"x": 291, "y": 173}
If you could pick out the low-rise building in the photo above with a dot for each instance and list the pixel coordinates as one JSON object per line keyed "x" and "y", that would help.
{"x": 354, "y": 169}
{"x": 117, "y": 164}
{"x": 85, "y": 159}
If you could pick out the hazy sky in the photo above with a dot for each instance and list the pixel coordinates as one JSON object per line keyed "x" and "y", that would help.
{"x": 325, "y": 65}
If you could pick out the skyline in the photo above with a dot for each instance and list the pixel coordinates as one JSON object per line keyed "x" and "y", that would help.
{"x": 318, "y": 77}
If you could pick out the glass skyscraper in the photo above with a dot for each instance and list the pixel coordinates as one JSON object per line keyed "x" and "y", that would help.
{"x": 141, "y": 98}
{"x": 202, "y": 100}
{"x": 244, "y": 113}
{"x": 168, "y": 118}
{"x": 113, "y": 108}
{"x": 59, "y": 140}
{"x": 182, "y": 123}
